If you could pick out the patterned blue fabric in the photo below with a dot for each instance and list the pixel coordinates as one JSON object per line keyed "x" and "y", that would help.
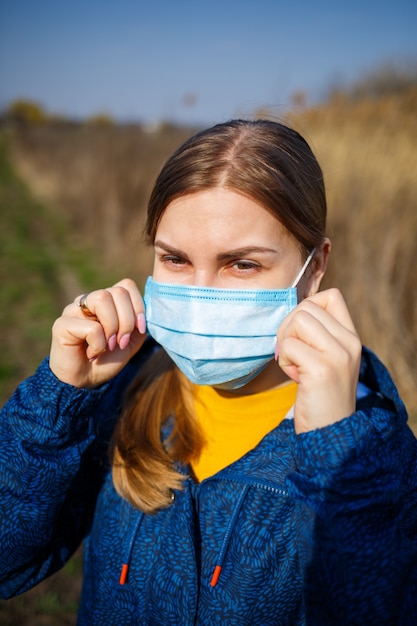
{"x": 316, "y": 529}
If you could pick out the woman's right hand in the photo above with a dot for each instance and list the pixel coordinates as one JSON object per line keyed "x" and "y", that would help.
{"x": 88, "y": 351}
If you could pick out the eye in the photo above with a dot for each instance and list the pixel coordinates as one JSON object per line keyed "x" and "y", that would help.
{"x": 172, "y": 260}
{"x": 243, "y": 266}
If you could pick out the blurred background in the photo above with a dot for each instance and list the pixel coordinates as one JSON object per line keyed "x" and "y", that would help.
{"x": 95, "y": 95}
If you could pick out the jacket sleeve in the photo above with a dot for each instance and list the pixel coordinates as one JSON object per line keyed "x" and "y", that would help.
{"x": 52, "y": 462}
{"x": 359, "y": 477}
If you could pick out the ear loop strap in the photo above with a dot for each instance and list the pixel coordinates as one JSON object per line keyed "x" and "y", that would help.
{"x": 303, "y": 269}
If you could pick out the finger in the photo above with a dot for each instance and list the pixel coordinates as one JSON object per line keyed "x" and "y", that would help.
{"x": 332, "y": 301}
{"x": 308, "y": 347}
{"x": 119, "y": 309}
{"x": 296, "y": 354}
{"x": 130, "y": 309}
{"x": 305, "y": 348}
{"x": 83, "y": 334}
{"x": 330, "y": 310}
{"x": 102, "y": 308}
{"x": 315, "y": 326}
{"x": 126, "y": 315}
{"x": 137, "y": 302}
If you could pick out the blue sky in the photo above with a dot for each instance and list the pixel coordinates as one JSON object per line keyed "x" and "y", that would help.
{"x": 190, "y": 61}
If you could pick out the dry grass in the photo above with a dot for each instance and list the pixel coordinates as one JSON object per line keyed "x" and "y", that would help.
{"x": 99, "y": 180}
{"x": 369, "y": 157}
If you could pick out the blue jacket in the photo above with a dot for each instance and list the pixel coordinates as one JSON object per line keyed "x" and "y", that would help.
{"x": 317, "y": 528}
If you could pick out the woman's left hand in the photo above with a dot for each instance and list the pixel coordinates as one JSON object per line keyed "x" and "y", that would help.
{"x": 320, "y": 349}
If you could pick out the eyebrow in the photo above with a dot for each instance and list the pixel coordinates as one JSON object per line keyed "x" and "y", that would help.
{"x": 230, "y": 254}
{"x": 169, "y": 249}
{"x": 243, "y": 252}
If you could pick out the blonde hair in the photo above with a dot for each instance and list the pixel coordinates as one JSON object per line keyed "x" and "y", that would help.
{"x": 269, "y": 163}
{"x": 143, "y": 462}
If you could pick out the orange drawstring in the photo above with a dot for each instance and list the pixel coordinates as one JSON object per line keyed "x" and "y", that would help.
{"x": 123, "y": 574}
{"x": 216, "y": 575}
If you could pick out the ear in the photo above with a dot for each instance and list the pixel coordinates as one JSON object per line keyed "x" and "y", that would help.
{"x": 311, "y": 283}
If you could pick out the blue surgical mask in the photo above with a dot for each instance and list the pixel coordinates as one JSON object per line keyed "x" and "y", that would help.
{"x": 218, "y": 337}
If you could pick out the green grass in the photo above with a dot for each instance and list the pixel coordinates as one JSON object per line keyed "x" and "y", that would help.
{"x": 52, "y": 604}
{"x": 41, "y": 270}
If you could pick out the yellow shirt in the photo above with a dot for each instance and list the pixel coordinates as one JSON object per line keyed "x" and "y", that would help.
{"x": 234, "y": 424}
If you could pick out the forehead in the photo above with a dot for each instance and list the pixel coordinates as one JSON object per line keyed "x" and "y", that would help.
{"x": 219, "y": 216}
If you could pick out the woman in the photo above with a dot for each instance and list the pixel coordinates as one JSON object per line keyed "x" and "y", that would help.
{"x": 252, "y": 478}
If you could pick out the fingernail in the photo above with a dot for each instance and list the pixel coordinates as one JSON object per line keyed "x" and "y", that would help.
{"x": 141, "y": 323}
{"x": 124, "y": 341}
{"x": 276, "y": 351}
{"x": 112, "y": 342}
{"x": 93, "y": 358}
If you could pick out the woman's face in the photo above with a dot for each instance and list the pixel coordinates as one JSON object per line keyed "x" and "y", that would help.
{"x": 221, "y": 238}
